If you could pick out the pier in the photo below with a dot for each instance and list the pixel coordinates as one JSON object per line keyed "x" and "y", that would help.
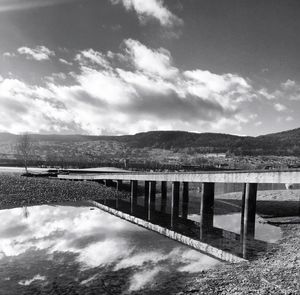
{"x": 201, "y": 234}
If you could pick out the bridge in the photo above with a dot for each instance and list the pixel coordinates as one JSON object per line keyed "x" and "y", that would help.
{"x": 201, "y": 234}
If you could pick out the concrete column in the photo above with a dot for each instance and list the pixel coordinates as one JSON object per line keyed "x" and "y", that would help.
{"x": 152, "y": 195}
{"x": 163, "y": 206}
{"x": 119, "y": 188}
{"x": 146, "y": 197}
{"x": 185, "y": 200}
{"x": 207, "y": 208}
{"x": 175, "y": 203}
{"x": 119, "y": 185}
{"x": 133, "y": 195}
{"x": 249, "y": 216}
{"x": 250, "y": 210}
{"x": 243, "y": 213}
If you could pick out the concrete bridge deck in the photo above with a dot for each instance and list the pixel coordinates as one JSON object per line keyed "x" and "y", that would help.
{"x": 255, "y": 176}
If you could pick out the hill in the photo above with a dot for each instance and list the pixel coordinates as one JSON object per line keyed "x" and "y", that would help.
{"x": 283, "y": 143}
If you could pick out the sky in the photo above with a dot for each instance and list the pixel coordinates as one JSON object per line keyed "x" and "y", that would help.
{"x": 114, "y": 67}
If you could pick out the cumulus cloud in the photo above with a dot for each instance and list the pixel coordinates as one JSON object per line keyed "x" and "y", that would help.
{"x": 38, "y": 53}
{"x": 151, "y": 9}
{"x": 155, "y": 62}
{"x": 134, "y": 90}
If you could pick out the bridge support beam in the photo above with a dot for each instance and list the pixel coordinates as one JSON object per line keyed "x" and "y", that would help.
{"x": 133, "y": 195}
{"x": 248, "y": 215}
{"x": 146, "y": 196}
{"x": 151, "y": 198}
{"x": 207, "y": 208}
{"x": 185, "y": 200}
{"x": 163, "y": 206}
{"x": 175, "y": 203}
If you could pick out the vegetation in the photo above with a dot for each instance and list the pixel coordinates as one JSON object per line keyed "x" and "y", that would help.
{"x": 155, "y": 150}
{"x": 24, "y": 149}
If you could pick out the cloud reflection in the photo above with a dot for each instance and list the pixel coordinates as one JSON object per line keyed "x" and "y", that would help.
{"x": 97, "y": 240}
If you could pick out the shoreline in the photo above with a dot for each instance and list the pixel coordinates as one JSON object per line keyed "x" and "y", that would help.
{"x": 276, "y": 271}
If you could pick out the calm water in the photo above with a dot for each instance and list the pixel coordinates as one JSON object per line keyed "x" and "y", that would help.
{"x": 77, "y": 249}
{"x": 67, "y": 249}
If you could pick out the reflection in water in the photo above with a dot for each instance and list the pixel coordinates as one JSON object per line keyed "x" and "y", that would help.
{"x": 65, "y": 247}
{"x": 223, "y": 231}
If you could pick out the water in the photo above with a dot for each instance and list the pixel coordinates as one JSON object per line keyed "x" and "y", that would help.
{"x": 75, "y": 250}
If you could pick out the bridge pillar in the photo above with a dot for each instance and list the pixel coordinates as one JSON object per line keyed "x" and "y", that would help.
{"x": 163, "y": 206}
{"x": 185, "y": 200}
{"x": 207, "y": 208}
{"x": 175, "y": 203}
{"x": 146, "y": 196}
{"x": 151, "y": 198}
{"x": 243, "y": 213}
{"x": 119, "y": 185}
{"x": 133, "y": 195}
{"x": 248, "y": 215}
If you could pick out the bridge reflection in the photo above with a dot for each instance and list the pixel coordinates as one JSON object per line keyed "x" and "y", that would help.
{"x": 177, "y": 224}
{"x": 167, "y": 212}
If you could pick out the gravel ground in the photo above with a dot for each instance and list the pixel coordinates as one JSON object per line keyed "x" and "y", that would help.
{"x": 16, "y": 191}
{"x": 274, "y": 272}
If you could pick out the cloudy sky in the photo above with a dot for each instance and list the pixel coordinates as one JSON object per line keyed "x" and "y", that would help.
{"x": 127, "y": 66}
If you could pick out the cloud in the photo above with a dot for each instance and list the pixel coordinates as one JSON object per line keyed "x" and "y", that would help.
{"x": 141, "y": 279}
{"x": 96, "y": 240}
{"x": 280, "y": 107}
{"x": 154, "y": 62}
{"x": 288, "y": 84}
{"x": 63, "y": 61}
{"x": 140, "y": 259}
{"x": 151, "y": 9}
{"x": 134, "y": 90}
{"x": 290, "y": 89}
{"x": 91, "y": 56}
{"x": 38, "y": 53}
{"x": 38, "y": 277}
{"x": 9, "y": 54}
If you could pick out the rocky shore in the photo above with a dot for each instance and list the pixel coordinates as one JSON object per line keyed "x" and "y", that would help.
{"x": 18, "y": 191}
{"x": 276, "y": 271}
